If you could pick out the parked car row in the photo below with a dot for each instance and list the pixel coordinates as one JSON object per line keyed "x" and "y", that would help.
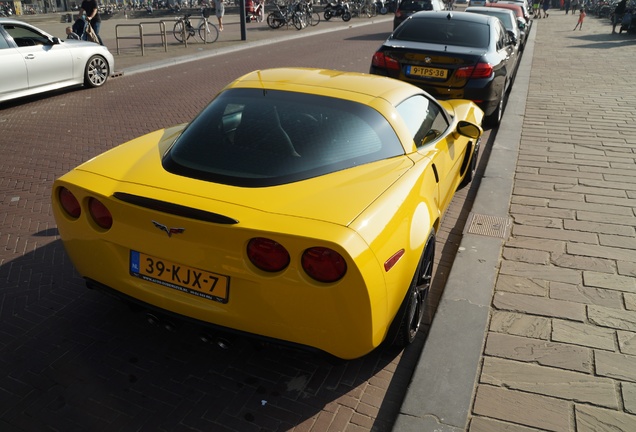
{"x": 454, "y": 55}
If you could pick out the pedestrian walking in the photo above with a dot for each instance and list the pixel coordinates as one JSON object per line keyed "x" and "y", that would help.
{"x": 574, "y": 6}
{"x": 544, "y": 7}
{"x": 92, "y": 15}
{"x": 219, "y": 7}
{"x": 619, "y": 11}
{"x": 566, "y": 6}
{"x": 579, "y": 24}
{"x": 535, "y": 9}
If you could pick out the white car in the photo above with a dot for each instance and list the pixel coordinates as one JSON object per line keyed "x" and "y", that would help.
{"x": 33, "y": 61}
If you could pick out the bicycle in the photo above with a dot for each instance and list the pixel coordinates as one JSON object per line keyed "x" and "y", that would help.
{"x": 207, "y": 32}
{"x": 287, "y": 15}
{"x": 312, "y": 16}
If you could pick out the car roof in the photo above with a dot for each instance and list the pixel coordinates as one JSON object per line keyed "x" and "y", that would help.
{"x": 494, "y": 12}
{"x": 488, "y": 9}
{"x": 451, "y": 15}
{"x": 11, "y": 21}
{"x": 5, "y": 21}
{"x": 513, "y": 6}
{"x": 353, "y": 86}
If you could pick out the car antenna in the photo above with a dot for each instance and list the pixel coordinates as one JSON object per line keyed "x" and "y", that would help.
{"x": 449, "y": 16}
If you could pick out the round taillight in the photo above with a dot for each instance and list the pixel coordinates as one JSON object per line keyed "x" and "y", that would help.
{"x": 100, "y": 213}
{"x": 69, "y": 203}
{"x": 268, "y": 255}
{"x": 324, "y": 264}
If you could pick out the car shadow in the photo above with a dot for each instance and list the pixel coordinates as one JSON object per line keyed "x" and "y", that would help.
{"x": 380, "y": 37}
{"x": 79, "y": 355}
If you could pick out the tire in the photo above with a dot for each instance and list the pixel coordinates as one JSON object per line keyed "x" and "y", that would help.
{"x": 273, "y": 20}
{"x": 297, "y": 21}
{"x": 346, "y": 16}
{"x": 327, "y": 15}
{"x": 494, "y": 119}
{"x": 177, "y": 31}
{"x": 96, "y": 72}
{"x": 212, "y": 33}
{"x": 314, "y": 19}
{"x": 414, "y": 304}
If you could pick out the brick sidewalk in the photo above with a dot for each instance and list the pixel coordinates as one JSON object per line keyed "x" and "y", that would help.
{"x": 560, "y": 353}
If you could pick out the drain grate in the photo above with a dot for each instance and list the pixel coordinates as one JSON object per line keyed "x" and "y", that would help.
{"x": 486, "y": 225}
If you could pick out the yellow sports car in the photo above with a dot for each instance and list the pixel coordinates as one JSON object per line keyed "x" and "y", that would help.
{"x": 300, "y": 205}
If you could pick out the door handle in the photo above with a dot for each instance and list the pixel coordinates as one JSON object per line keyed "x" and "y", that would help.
{"x": 29, "y": 57}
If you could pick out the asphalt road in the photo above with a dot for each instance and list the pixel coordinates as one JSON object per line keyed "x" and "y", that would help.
{"x": 74, "y": 359}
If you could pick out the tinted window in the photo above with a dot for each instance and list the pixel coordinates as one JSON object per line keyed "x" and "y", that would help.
{"x": 424, "y": 118}
{"x": 505, "y": 17}
{"x": 415, "y": 6}
{"x": 24, "y": 36}
{"x": 256, "y": 137}
{"x": 3, "y": 42}
{"x": 445, "y": 32}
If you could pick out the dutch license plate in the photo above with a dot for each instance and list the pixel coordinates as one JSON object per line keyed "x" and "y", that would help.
{"x": 193, "y": 281}
{"x": 427, "y": 72}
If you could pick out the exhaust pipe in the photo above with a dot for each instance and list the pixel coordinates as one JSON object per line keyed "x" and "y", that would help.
{"x": 169, "y": 326}
{"x": 153, "y": 320}
{"x": 220, "y": 341}
{"x": 223, "y": 343}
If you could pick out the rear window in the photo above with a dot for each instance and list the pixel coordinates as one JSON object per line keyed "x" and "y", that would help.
{"x": 415, "y": 6}
{"x": 505, "y": 17}
{"x": 257, "y": 137}
{"x": 444, "y": 32}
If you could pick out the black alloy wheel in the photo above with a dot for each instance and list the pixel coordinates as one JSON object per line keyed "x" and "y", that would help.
{"x": 415, "y": 302}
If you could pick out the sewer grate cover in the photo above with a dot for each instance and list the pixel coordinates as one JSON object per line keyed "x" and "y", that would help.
{"x": 486, "y": 225}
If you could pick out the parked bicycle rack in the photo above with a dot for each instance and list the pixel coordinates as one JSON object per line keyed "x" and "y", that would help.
{"x": 142, "y": 35}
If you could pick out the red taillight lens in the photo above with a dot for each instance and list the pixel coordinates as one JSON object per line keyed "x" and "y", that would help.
{"x": 100, "y": 213}
{"x": 69, "y": 203}
{"x": 382, "y": 61}
{"x": 323, "y": 264}
{"x": 267, "y": 255}
{"x": 480, "y": 70}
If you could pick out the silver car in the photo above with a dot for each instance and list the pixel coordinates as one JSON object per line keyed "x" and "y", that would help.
{"x": 33, "y": 61}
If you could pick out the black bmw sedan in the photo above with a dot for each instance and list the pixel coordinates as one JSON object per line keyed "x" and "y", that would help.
{"x": 452, "y": 55}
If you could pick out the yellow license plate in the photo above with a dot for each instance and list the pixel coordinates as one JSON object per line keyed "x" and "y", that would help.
{"x": 427, "y": 72}
{"x": 193, "y": 281}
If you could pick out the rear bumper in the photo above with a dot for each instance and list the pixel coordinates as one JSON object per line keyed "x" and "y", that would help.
{"x": 486, "y": 93}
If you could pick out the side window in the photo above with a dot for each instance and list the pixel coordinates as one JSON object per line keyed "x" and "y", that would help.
{"x": 499, "y": 38}
{"x": 23, "y": 36}
{"x": 424, "y": 118}
{"x": 3, "y": 43}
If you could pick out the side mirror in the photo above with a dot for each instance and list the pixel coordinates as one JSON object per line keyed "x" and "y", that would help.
{"x": 469, "y": 129}
{"x": 55, "y": 40}
{"x": 512, "y": 38}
